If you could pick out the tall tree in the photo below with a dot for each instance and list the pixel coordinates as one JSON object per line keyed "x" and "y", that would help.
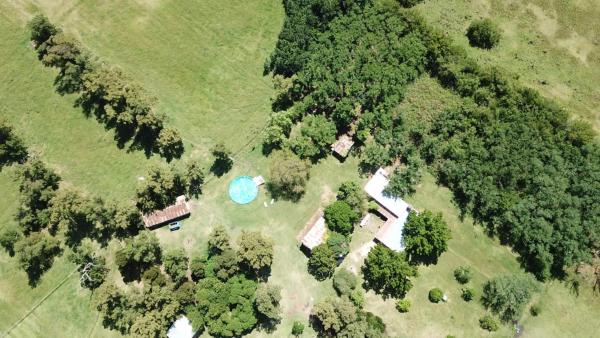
{"x": 425, "y": 236}
{"x": 334, "y": 314}
{"x": 223, "y": 161}
{"x": 340, "y": 217}
{"x": 388, "y": 272}
{"x": 159, "y": 189}
{"x": 218, "y": 240}
{"x": 41, "y": 29}
{"x": 255, "y": 251}
{"x": 194, "y": 177}
{"x": 37, "y": 185}
{"x": 176, "y": 265}
{"x": 322, "y": 262}
{"x": 36, "y": 253}
{"x": 12, "y": 148}
{"x": 169, "y": 144}
{"x": 267, "y": 301}
{"x": 288, "y": 175}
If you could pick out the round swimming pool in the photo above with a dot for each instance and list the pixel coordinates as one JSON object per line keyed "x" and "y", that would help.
{"x": 243, "y": 190}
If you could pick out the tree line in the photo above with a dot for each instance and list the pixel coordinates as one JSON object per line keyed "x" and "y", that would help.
{"x": 48, "y": 216}
{"x": 105, "y": 92}
{"x": 514, "y": 160}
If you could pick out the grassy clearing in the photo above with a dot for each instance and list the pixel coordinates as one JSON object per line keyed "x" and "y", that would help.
{"x": 204, "y": 63}
{"x": 551, "y": 45}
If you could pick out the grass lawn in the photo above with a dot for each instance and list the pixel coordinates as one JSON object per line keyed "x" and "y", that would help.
{"x": 551, "y": 45}
{"x": 203, "y": 60}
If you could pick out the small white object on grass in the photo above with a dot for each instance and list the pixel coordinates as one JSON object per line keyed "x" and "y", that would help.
{"x": 365, "y": 220}
{"x": 265, "y": 203}
{"x": 445, "y": 298}
{"x": 272, "y": 200}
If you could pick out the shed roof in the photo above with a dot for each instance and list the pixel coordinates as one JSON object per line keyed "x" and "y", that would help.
{"x": 314, "y": 232}
{"x": 343, "y": 145}
{"x": 173, "y": 212}
{"x": 182, "y": 328}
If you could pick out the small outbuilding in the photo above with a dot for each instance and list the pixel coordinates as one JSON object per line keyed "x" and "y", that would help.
{"x": 314, "y": 231}
{"x": 174, "y": 212}
{"x": 342, "y": 146}
{"x": 182, "y": 328}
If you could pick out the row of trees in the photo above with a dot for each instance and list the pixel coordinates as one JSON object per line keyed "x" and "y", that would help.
{"x": 224, "y": 292}
{"x": 47, "y": 213}
{"x": 514, "y": 160}
{"x": 105, "y": 92}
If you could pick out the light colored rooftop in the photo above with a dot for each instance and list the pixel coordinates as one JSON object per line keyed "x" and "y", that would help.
{"x": 343, "y": 145}
{"x": 182, "y": 328}
{"x": 396, "y": 211}
{"x": 314, "y": 232}
{"x": 375, "y": 187}
{"x": 390, "y": 233}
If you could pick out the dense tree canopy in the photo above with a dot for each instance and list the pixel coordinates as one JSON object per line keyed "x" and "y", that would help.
{"x": 388, "y": 272}
{"x": 227, "y": 307}
{"x": 515, "y": 161}
{"x": 425, "y": 237}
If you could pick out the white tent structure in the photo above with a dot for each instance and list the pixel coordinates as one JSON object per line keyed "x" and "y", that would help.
{"x": 396, "y": 211}
{"x": 182, "y": 328}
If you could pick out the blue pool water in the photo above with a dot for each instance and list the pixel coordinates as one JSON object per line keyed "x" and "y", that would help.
{"x": 243, "y": 190}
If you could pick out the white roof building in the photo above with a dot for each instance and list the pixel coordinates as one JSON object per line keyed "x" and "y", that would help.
{"x": 395, "y": 209}
{"x": 182, "y": 328}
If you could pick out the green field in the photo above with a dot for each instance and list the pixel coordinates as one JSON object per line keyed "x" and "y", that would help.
{"x": 551, "y": 45}
{"x": 204, "y": 62}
